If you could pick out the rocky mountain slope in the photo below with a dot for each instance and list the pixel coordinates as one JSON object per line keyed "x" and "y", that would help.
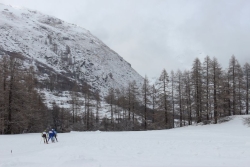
{"x": 65, "y": 49}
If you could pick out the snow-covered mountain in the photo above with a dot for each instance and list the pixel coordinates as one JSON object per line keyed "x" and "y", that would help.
{"x": 64, "y": 48}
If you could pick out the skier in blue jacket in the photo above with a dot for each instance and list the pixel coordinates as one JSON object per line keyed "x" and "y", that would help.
{"x": 51, "y": 136}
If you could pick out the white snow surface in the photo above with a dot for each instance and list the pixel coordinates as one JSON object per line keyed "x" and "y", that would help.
{"x": 222, "y": 145}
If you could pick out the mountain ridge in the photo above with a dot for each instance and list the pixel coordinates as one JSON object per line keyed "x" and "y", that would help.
{"x": 68, "y": 49}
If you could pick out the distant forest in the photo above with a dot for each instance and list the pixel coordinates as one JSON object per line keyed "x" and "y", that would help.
{"x": 205, "y": 94}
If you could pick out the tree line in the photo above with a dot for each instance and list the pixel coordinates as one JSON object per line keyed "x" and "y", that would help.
{"x": 204, "y": 94}
{"x": 21, "y": 108}
{"x": 22, "y": 105}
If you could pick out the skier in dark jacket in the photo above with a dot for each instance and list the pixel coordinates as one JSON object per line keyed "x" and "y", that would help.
{"x": 55, "y": 134}
{"x": 44, "y": 136}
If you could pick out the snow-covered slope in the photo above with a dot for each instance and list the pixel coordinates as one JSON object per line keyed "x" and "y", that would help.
{"x": 66, "y": 48}
{"x": 222, "y": 145}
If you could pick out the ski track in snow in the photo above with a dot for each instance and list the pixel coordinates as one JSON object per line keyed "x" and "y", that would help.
{"x": 222, "y": 145}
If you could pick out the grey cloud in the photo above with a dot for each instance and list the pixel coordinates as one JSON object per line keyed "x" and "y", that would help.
{"x": 157, "y": 34}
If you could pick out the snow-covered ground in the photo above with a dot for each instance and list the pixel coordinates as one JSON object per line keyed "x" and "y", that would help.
{"x": 226, "y": 144}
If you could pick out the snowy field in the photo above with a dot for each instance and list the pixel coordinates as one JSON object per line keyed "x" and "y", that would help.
{"x": 222, "y": 145}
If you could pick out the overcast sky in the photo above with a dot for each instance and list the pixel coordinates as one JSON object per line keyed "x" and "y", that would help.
{"x": 157, "y": 34}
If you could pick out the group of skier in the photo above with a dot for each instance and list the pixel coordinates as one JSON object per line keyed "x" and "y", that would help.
{"x": 52, "y": 134}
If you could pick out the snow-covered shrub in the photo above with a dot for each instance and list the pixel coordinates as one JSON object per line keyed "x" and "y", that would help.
{"x": 246, "y": 121}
